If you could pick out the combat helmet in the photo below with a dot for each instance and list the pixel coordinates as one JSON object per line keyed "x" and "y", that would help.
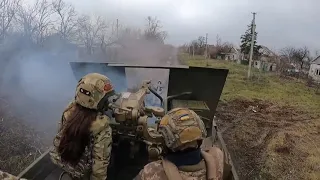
{"x": 182, "y": 128}
{"x": 93, "y": 90}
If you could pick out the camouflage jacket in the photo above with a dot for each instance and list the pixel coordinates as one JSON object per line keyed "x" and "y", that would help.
{"x": 95, "y": 159}
{"x": 7, "y": 176}
{"x": 156, "y": 171}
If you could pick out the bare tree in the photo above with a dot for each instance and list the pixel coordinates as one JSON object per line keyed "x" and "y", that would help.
{"x": 226, "y": 47}
{"x": 130, "y": 33}
{"x": 90, "y": 31}
{"x": 198, "y": 46}
{"x": 153, "y": 30}
{"x": 43, "y": 20}
{"x": 27, "y": 20}
{"x": 107, "y": 38}
{"x": 115, "y": 32}
{"x": 288, "y": 52}
{"x": 317, "y": 53}
{"x": 298, "y": 56}
{"x": 222, "y": 47}
{"x": 35, "y": 20}
{"x": 218, "y": 40}
{"x": 67, "y": 19}
{"x": 8, "y": 9}
{"x": 301, "y": 56}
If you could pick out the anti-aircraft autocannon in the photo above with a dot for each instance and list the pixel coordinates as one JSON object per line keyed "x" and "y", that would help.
{"x": 130, "y": 120}
{"x": 135, "y": 141}
{"x": 132, "y": 133}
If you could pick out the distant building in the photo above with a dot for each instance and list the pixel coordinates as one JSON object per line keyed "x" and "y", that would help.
{"x": 314, "y": 71}
{"x": 265, "y": 66}
{"x": 233, "y": 55}
{"x": 267, "y": 60}
{"x": 266, "y": 52}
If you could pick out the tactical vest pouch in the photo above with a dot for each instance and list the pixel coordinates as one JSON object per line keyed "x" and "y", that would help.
{"x": 214, "y": 163}
{"x": 210, "y": 165}
{"x": 171, "y": 170}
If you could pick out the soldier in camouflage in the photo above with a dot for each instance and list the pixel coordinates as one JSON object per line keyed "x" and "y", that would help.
{"x": 7, "y": 176}
{"x": 82, "y": 146}
{"x": 183, "y": 133}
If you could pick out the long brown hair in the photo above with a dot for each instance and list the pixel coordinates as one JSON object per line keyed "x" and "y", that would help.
{"x": 76, "y": 134}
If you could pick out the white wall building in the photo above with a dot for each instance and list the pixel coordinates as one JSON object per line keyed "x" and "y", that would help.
{"x": 314, "y": 71}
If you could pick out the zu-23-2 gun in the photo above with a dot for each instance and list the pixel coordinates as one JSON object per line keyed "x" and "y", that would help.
{"x": 130, "y": 121}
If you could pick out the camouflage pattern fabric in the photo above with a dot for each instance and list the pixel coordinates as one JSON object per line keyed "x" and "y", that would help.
{"x": 181, "y": 128}
{"x": 91, "y": 89}
{"x": 155, "y": 170}
{"x": 95, "y": 159}
{"x": 7, "y": 176}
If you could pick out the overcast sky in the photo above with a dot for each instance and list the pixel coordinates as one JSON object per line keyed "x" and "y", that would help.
{"x": 279, "y": 22}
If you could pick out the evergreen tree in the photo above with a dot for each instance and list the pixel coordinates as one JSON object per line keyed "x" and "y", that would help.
{"x": 246, "y": 42}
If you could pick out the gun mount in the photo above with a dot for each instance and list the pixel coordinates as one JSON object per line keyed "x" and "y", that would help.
{"x": 134, "y": 140}
{"x": 131, "y": 120}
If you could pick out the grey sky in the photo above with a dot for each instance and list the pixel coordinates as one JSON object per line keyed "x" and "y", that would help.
{"x": 279, "y": 22}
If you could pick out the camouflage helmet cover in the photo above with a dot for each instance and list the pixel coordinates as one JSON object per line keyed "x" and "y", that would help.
{"x": 91, "y": 89}
{"x": 181, "y": 127}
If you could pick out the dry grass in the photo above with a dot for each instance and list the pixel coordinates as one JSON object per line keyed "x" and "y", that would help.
{"x": 271, "y": 125}
{"x": 265, "y": 86}
{"x": 20, "y": 144}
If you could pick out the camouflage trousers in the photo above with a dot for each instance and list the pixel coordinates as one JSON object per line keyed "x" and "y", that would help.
{"x": 65, "y": 176}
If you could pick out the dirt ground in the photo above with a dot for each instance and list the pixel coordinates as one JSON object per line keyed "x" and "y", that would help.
{"x": 267, "y": 141}
{"x": 20, "y": 144}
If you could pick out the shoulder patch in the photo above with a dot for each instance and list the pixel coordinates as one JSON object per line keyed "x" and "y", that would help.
{"x": 101, "y": 122}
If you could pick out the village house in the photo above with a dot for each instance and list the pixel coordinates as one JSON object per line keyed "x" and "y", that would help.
{"x": 267, "y": 60}
{"x": 314, "y": 71}
{"x": 233, "y": 55}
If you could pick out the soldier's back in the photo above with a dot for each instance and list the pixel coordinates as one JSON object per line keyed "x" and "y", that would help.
{"x": 160, "y": 170}
{"x": 155, "y": 171}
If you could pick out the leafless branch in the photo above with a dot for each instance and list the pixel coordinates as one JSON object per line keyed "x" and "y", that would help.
{"x": 153, "y": 30}
{"x": 26, "y": 17}
{"x": 67, "y": 19}
{"x": 8, "y": 9}
{"x": 90, "y": 31}
{"x": 35, "y": 20}
{"x": 43, "y": 21}
{"x": 218, "y": 40}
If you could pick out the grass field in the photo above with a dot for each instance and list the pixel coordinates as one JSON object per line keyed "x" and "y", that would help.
{"x": 278, "y": 140}
{"x": 264, "y": 86}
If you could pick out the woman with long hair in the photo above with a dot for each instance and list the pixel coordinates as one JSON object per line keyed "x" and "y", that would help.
{"x": 83, "y": 144}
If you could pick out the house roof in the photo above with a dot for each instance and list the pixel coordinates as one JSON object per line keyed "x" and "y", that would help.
{"x": 266, "y": 51}
{"x": 316, "y": 60}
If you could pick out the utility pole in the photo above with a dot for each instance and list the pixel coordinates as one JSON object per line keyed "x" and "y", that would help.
{"x": 193, "y": 51}
{"x": 206, "y": 46}
{"x": 117, "y": 28}
{"x": 253, "y": 26}
{"x": 206, "y": 53}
